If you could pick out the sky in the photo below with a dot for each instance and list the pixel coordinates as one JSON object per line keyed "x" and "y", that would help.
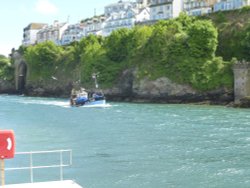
{"x": 15, "y": 15}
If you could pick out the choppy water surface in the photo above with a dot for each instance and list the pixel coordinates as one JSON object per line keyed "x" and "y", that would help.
{"x": 134, "y": 145}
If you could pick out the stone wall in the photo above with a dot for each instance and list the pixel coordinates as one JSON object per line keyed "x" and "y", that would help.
{"x": 241, "y": 81}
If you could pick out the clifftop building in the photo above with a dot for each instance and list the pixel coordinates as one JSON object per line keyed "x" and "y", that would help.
{"x": 52, "y": 33}
{"x": 72, "y": 33}
{"x": 124, "y": 15}
{"x": 93, "y": 25}
{"x": 143, "y": 3}
{"x": 223, "y": 5}
{"x": 30, "y": 32}
{"x": 197, "y": 8}
{"x": 165, "y": 9}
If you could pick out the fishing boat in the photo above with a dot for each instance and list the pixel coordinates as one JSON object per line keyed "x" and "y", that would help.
{"x": 81, "y": 97}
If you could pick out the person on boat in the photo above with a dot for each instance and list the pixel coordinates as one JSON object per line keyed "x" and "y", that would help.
{"x": 97, "y": 96}
{"x": 81, "y": 98}
{"x": 73, "y": 97}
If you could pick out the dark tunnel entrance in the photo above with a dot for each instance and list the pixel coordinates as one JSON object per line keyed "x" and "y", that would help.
{"x": 22, "y": 72}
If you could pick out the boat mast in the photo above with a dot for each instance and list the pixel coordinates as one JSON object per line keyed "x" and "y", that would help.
{"x": 94, "y": 76}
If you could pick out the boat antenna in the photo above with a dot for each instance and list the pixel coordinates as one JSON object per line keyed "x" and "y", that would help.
{"x": 94, "y": 76}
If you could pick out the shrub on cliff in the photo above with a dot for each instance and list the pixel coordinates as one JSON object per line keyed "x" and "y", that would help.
{"x": 246, "y": 44}
{"x": 116, "y": 45}
{"x": 42, "y": 59}
{"x": 6, "y": 69}
{"x": 233, "y": 27}
{"x": 184, "y": 50}
{"x": 94, "y": 59}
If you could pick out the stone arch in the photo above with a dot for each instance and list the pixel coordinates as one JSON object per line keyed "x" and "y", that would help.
{"x": 21, "y": 76}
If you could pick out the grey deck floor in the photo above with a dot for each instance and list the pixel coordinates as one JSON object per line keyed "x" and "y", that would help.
{"x": 53, "y": 184}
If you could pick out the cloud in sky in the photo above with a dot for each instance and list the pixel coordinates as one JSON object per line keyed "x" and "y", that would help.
{"x": 6, "y": 49}
{"x": 45, "y": 7}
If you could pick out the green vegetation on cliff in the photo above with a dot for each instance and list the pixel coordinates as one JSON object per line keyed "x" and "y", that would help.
{"x": 6, "y": 69}
{"x": 234, "y": 33}
{"x": 185, "y": 49}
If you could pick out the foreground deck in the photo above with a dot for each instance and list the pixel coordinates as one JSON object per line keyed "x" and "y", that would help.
{"x": 53, "y": 184}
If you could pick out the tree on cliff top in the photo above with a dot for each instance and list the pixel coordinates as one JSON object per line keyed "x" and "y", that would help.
{"x": 6, "y": 69}
{"x": 43, "y": 58}
{"x": 3, "y": 60}
{"x": 116, "y": 45}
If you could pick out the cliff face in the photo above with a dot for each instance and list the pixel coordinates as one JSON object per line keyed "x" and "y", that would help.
{"x": 128, "y": 88}
{"x": 52, "y": 88}
{"x": 163, "y": 90}
{"x": 7, "y": 87}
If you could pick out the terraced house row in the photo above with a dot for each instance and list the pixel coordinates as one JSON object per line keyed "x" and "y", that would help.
{"x": 124, "y": 14}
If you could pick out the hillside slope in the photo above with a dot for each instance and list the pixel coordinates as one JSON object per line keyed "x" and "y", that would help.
{"x": 234, "y": 33}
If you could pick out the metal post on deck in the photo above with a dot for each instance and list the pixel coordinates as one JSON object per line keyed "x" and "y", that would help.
{"x": 61, "y": 166}
{"x": 2, "y": 173}
{"x": 70, "y": 157}
{"x": 31, "y": 168}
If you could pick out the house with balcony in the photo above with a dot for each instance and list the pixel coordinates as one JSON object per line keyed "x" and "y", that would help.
{"x": 143, "y": 3}
{"x": 93, "y": 25}
{"x": 197, "y": 7}
{"x": 223, "y": 5}
{"x": 72, "y": 33}
{"x": 124, "y": 15}
{"x": 117, "y": 7}
{"x": 30, "y": 32}
{"x": 165, "y": 9}
{"x": 52, "y": 33}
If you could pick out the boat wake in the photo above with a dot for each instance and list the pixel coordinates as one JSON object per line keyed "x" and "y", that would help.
{"x": 97, "y": 106}
{"x": 43, "y": 101}
{"x": 64, "y": 104}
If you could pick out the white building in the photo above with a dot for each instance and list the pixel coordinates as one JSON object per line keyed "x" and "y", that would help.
{"x": 93, "y": 25}
{"x": 29, "y": 33}
{"x": 117, "y": 7}
{"x": 223, "y": 5}
{"x": 143, "y": 3}
{"x": 124, "y": 15}
{"x": 165, "y": 9}
{"x": 72, "y": 33}
{"x": 52, "y": 33}
{"x": 197, "y": 7}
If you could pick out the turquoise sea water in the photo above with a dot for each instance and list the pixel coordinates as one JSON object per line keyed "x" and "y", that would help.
{"x": 134, "y": 145}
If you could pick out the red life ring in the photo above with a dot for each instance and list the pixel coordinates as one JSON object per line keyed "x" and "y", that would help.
{"x": 7, "y": 144}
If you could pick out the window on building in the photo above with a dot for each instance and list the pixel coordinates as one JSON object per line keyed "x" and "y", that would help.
{"x": 130, "y": 15}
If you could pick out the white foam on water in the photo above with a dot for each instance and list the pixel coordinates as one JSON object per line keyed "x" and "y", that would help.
{"x": 42, "y": 102}
{"x": 97, "y": 106}
{"x": 50, "y": 102}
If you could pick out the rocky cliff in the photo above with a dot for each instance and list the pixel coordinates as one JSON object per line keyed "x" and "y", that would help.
{"x": 163, "y": 90}
{"x": 129, "y": 87}
{"x": 7, "y": 87}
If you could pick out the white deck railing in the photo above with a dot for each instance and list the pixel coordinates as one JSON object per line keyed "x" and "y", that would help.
{"x": 31, "y": 166}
